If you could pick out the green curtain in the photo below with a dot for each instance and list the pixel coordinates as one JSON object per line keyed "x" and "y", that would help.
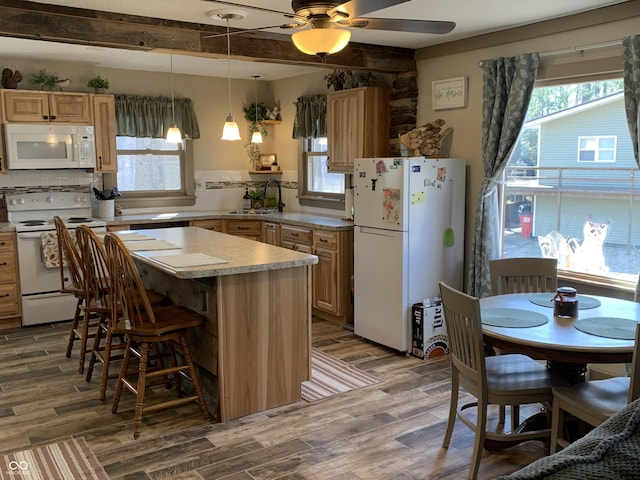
{"x": 311, "y": 117}
{"x": 507, "y": 87}
{"x": 631, "y": 73}
{"x": 142, "y": 116}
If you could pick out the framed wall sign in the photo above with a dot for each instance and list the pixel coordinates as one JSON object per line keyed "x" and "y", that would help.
{"x": 267, "y": 160}
{"x": 449, "y": 93}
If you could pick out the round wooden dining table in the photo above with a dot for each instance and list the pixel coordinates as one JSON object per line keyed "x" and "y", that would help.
{"x": 566, "y": 348}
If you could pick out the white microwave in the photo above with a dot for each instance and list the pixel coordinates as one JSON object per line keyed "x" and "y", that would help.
{"x": 39, "y": 146}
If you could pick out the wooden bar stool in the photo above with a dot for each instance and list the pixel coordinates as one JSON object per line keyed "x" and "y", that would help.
{"x": 82, "y": 326}
{"x": 147, "y": 328}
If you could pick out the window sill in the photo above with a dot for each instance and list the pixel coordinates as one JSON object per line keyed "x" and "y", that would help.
{"x": 322, "y": 202}
{"x": 597, "y": 285}
{"x": 150, "y": 202}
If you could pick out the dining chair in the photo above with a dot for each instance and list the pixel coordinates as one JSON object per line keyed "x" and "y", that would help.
{"x": 523, "y": 275}
{"x": 594, "y": 401}
{"x": 510, "y": 379}
{"x": 72, "y": 281}
{"x": 149, "y": 329}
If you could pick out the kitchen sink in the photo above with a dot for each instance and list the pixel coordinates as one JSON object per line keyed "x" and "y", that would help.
{"x": 253, "y": 211}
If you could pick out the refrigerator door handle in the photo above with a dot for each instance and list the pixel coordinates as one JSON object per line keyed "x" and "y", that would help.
{"x": 377, "y": 231}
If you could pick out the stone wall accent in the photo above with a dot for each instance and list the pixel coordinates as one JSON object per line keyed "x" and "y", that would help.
{"x": 404, "y": 108}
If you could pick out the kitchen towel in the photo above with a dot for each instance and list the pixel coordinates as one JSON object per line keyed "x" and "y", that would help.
{"x": 188, "y": 260}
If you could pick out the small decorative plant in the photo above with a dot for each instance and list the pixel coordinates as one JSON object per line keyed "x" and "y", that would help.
{"x": 345, "y": 79}
{"x": 98, "y": 83}
{"x": 257, "y": 198}
{"x": 45, "y": 80}
{"x": 256, "y": 115}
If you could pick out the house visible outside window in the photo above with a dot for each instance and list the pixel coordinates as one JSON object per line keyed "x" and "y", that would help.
{"x": 153, "y": 172}
{"x": 583, "y": 210}
{"x": 597, "y": 149}
{"x": 319, "y": 188}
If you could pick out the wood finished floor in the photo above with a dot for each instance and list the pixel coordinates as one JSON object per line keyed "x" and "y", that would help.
{"x": 392, "y": 430}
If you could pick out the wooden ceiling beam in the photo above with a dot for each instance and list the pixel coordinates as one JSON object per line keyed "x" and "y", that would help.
{"x": 39, "y": 21}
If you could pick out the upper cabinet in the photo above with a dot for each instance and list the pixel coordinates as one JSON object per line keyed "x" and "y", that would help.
{"x": 104, "y": 122}
{"x": 358, "y": 122}
{"x": 44, "y": 107}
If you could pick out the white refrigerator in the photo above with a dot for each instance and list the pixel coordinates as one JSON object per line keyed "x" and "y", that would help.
{"x": 409, "y": 234}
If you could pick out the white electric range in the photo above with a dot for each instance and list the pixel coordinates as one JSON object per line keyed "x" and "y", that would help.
{"x": 32, "y": 215}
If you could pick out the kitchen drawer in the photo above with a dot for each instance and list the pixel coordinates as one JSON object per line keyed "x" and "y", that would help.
{"x": 7, "y": 267}
{"x": 297, "y": 247}
{"x": 7, "y": 242}
{"x": 213, "y": 224}
{"x": 326, "y": 239}
{"x": 296, "y": 234}
{"x": 243, "y": 227}
{"x": 9, "y": 300}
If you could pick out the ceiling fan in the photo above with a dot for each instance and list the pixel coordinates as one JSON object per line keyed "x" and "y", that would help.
{"x": 330, "y": 19}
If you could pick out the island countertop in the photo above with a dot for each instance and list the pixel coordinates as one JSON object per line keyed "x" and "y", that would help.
{"x": 239, "y": 254}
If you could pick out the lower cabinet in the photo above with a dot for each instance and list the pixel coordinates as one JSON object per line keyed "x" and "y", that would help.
{"x": 9, "y": 289}
{"x": 251, "y": 229}
{"x": 271, "y": 233}
{"x": 331, "y": 276}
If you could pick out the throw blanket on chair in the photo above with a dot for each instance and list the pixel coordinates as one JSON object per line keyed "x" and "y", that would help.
{"x": 610, "y": 451}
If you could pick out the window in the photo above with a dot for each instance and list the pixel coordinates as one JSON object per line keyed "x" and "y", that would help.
{"x": 585, "y": 213}
{"x": 597, "y": 149}
{"x": 319, "y": 187}
{"x": 153, "y": 172}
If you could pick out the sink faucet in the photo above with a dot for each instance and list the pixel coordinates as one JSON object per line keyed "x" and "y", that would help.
{"x": 273, "y": 181}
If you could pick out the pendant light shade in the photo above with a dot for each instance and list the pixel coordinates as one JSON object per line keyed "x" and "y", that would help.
{"x": 321, "y": 41}
{"x": 230, "y": 131}
{"x": 173, "y": 133}
{"x": 256, "y": 137}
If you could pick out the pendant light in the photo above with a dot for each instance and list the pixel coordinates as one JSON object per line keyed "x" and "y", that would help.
{"x": 173, "y": 134}
{"x": 231, "y": 131}
{"x": 257, "y": 135}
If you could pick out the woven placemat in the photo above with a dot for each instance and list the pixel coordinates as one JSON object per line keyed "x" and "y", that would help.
{"x": 608, "y": 327}
{"x": 546, "y": 300}
{"x": 512, "y": 317}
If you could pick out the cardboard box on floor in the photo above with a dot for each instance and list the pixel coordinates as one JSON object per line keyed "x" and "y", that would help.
{"x": 429, "y": 335}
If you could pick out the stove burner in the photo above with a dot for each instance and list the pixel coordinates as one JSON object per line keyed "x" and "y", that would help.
{"x": 79, "y": 220}
{"x": 33, "y": 223}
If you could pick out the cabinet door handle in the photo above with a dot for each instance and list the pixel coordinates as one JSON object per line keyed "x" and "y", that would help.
{"x": 5, "y": 295}
{"x": 323, "y": 240}
{"x": 53, "y": 117}
{"x": 3, "y": 264}
{"x": 45, "y": 117}
{"x": 243, "y": 228}
{"x": 294, "y": 234}
{"x": 3, "y": 243}
{"x": 100, "y": 161}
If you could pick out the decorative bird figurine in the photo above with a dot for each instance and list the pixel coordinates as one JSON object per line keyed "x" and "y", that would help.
{"x": 65, "y": 82}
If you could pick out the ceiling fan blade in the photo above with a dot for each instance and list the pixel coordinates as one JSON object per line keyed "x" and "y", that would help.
{"x": 240, "y": 5}
{"x": 400, "y": 25}
{"x": 357, "y": 8}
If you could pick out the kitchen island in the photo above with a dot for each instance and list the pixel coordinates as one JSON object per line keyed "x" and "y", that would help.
{"x": 254, "y": 349}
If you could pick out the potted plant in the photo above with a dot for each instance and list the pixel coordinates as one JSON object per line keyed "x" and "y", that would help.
{"x": 45, "y": 80}
{"x": 256, "y": 114}
{"x": 99, "y": 84}
{"x": 257, "y": 198}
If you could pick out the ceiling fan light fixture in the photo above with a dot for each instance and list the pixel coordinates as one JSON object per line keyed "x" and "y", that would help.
{"x": 321, "y": 41}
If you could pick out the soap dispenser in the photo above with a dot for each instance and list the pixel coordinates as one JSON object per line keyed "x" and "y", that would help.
{"x": 246, "y": 200}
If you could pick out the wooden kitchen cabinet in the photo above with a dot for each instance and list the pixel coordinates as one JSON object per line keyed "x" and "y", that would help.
{"x": 271, "y": 233}
{"x": 358, "y": 122}
{"x": 296, "y": 238}
{"x": 44, "y": 107}
{"x": 104, "y": 122}
{"x": 250, "y": 229}
{"x": 217, "y": 225}
{"x": 332, "y": 275}
{"x": 9, "y": 290}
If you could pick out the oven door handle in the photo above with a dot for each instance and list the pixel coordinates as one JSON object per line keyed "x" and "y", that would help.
{"x": 30, "y": 234}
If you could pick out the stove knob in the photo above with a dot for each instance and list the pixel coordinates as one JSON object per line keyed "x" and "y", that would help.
{"x": 13, "y": 201}
{"x": 22, "y": 201}
{"x": 76, "y": 199}
{"x": 84, "y": 199}
{"x": 49, "y": 199}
